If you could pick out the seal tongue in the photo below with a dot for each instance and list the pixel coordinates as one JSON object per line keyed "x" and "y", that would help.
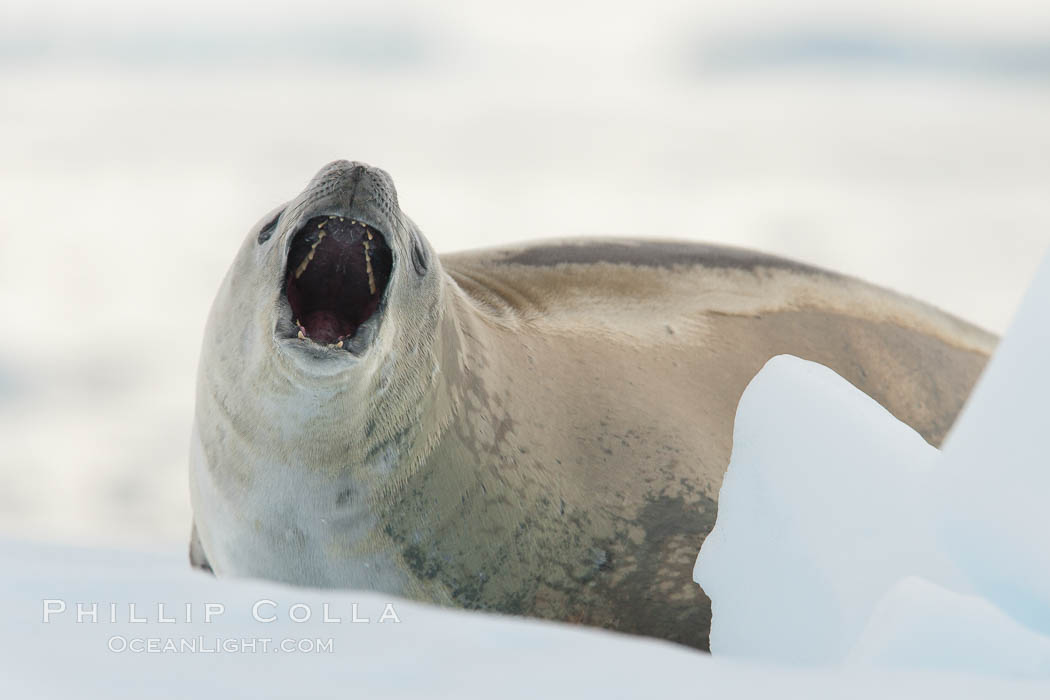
{"x": 326, "y": 326}
{"x": 337, "y": 272}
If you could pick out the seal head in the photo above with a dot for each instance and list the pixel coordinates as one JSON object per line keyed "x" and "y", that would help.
{"x": 341, "y": 244}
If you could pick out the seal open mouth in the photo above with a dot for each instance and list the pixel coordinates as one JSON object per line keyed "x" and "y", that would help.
{"x": 338, "y": 270}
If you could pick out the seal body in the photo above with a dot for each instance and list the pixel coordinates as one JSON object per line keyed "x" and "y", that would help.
{"x": 539, "y": 430}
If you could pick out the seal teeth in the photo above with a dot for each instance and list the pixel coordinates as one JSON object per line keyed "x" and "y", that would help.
{"x": 368, "y": 268}
{"x": 302, "y": 336}
{"x": 310, "y": 256}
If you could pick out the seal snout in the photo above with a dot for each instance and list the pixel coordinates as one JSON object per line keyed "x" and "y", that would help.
{"x": 337, "y": 272}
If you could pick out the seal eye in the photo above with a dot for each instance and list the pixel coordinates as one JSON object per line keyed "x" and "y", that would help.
{"x": 419, "y": 256}
{"x": 266, "y": 231}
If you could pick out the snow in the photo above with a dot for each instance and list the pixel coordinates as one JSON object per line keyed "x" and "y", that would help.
{"x": 430, "y": 652}
{"x": 920, "y": 625}
{"x": 994, "y": 516}
{"x": 818, "y": 515}
{"x": 843, "y": 538}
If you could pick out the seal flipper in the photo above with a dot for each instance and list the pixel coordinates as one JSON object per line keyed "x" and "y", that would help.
{"x": 198, "y": 559}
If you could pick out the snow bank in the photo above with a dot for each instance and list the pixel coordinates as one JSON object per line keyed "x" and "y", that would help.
{"x": 430, "y": 652}
{"x": 843, "y": 537}
{"x": 919, "y": 624}
{"x": 819, "y": 514}
{"x": 992, "y": 503}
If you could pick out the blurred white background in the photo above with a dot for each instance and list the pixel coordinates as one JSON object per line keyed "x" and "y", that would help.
{"x": 903, "y": 143}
